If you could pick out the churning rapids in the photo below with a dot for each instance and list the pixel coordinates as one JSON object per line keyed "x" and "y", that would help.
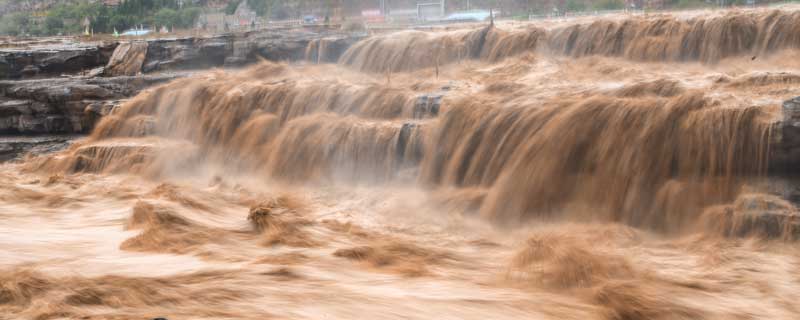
{"x": 613, "y": 169}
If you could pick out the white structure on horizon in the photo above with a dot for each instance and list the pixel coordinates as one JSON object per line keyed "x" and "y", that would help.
{"x": 243, "y": 17}
{"x": 430, "y": 11}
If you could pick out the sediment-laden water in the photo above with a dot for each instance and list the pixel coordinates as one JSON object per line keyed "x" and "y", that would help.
{"x": 618, "y": 169}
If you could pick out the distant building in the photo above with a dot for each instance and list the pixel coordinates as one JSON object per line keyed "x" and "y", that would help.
{"x": 372, "y": 16}
{"x": 430, "y": 11}
{"x": 216, "y": 4}
{"x": 471, "y": 15}
{"x": 214, "y": 22}
{"x": 402, "y": 15}
{"x": 111, "y": 3}
{"x": 243, "y": 16}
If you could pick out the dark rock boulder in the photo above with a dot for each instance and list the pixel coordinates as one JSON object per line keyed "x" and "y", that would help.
{"x": 427, "y": 105}
{"x": 785, "y": 145}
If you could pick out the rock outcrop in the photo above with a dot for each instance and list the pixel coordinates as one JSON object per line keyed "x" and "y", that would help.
{"x": 65, "y": 105}
{"x": 127, "y": 59}
{"x": 759, "y": 215}
{"x": 130, "y": 57}
{"x": 238, "y": 49}
{"x": 186, "y": 53}
{"x": 785, "y": 147}
{"x": 328, "y": 50}
{"x": 47, "y": 100}
{"x": 53, "y": 60}
{"x": 15, "y": 147}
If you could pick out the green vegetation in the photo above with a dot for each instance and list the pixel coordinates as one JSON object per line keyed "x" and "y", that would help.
{"x": 176, "y": 18}
{"x": 231, "y": 7}
{"x": 576, "y": 5}
{"x": 687, "y": 4}
{"x": 14, "y": 23}
{"x": 68, "y": 18}
{"x": 263, "y": 8}
{"x": 582, "y": 5}
{"x": 153, "y": 12}
{"x": 608, "y": 4}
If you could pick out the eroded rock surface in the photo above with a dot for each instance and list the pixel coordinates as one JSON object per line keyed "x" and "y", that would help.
{"x": 65, "y": 105}
{"x": 64, "y": 57}
{"x": 785, "y": 148}
{"x": 14, "y": 147}
{"x": 53, "y": 60}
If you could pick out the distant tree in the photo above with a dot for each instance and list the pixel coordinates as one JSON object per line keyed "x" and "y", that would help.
{"x": 280, "y": 13}
{"x": 576, "y": 5}
{"x": 608, "y": 4}
{"x": 15, "y": 24}
{"x": 189, "y": 16}
{"x": 231, "y": 7}
{"x": 166, "y": 17}
{"x": 101, "y": 21}
{"x": 53, "y": 25}
{"x": 121, "y": 22}
{"x": 261, "y": 7}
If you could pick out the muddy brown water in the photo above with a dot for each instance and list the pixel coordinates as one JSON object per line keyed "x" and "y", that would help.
{"x": 543, "y": 185}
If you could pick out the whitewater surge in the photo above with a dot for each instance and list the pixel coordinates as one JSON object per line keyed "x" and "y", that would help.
{"x": 582, "y": 171}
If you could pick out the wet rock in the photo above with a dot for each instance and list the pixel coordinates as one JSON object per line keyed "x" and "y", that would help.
{"x": 275, "y": 46}
{"x": 96, "y": 72}
{"x": 409, "y": 151}
{"x": 237, "y": 49}
{"x": 403, "y": 138}
{"x": 328, "y": 50}
{"x": 72, "y": 105}
{"x": 427, "y": 106}
{"x": 785, "y": 144}
{"x": 770, "y": 224}
{"x": 14, "y": 147}
{"x": 127, "y": 59}
{"x": 65, "y": 105}
{"x": 186, "y": 53}
{"x": 759, "y": 215}
{"x": 53, "y": 60}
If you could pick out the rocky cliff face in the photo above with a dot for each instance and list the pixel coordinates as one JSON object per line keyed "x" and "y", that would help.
{"x": 127, "y": 59}
{"x": 15, "y": 147}
{"x": 53, "y": 60}
{"x": 786, "y": 138}
{"x": 241, "y": 49}
{"x": 233, "y": 49}
{"x": 64, "y": 105}
{"x": 65, "y": 88}
{"x": 187, "y": 53}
